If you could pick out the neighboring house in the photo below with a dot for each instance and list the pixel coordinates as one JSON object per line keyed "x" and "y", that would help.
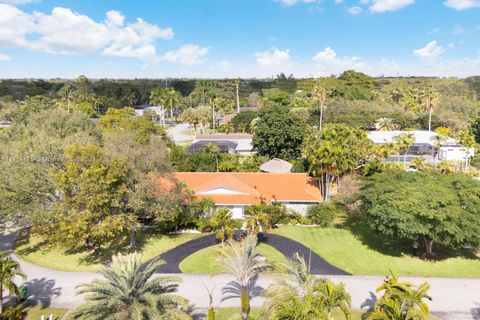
{"x": 228, "y": 143}
{"x": 455, "y": 152}
{"x": 276, "y": 166}
{"x": 237, "y": 190}
{"x": 424, "y": 145}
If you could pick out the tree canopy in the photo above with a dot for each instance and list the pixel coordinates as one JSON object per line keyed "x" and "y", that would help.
{"x": 425, "y": 207}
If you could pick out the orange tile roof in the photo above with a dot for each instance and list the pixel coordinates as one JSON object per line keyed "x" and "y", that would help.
{"x": 250, "y": 187}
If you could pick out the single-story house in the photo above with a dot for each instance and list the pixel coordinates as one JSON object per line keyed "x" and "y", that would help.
{"x": 228, "y": 143}
{"x": 424, "y": 145}
{"x": 237, "y": 190}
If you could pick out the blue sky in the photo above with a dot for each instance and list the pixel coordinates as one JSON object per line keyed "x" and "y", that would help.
{"x": 230, "y": 38}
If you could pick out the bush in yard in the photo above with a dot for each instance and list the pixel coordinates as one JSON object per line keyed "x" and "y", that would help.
{"x": 12, "y": 313}
{"x": 323, "y": 214}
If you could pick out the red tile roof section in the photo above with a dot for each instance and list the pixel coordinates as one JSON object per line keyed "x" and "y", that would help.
{"x": 252, "y": 186}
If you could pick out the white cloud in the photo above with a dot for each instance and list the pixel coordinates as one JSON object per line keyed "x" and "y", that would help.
{"x": 187, "y": 55}
{"x": 462, "y": 4}
{"x": 64, "y": 31}
{"x": 355, "y": 10}
{"x": 272, "y": 57}
{"x": 380, "y": 6}
{"x": 327, "y": 62}
{"x": 431, "y": 50}
{"x": 4, "y": 57}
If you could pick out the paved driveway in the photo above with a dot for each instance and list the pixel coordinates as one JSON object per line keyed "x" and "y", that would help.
{"x": 176, "y": 134}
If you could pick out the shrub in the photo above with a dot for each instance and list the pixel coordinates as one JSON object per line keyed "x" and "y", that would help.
{"x": 323, "y": 214}
{"x": 12, "y": 313}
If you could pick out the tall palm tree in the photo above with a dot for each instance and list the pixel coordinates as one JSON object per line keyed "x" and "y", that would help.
{"x": 321, "y": 95}
{"x": 9, "y": 269}
{"x": 237, "y": 86}
{"x": 297, "y": 294}
{"x": 214, "y": 150}
{"x": 404, "y": 141}
{"x": 171, "y": 99}
{"x": 128, "y": 292}
{"x": 256, "y": 219}
{"x": 245, "y": 263}
{"x": 222, "y": 222}
{"x": 429, "y": 101}
{"x": 401, "y": 301}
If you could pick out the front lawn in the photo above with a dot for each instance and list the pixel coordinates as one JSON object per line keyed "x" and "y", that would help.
{"x": 206, "y": 260}
{"x": 364, "y": 253}
{"x": 33, "y": 249}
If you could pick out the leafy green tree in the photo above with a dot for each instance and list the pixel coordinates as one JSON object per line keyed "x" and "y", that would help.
{"x": 401, "y": 301}
{"x": 429, "y": 101}
{"x": 129, "y": 291}
{"x": 467, "y": 140}
{"x": 424, "y": 207}
{"x": 333, "y": 152}
{"x": 279, "y": 133}
{"x": 301, "y": 295}
{"x": 93, "y": 189}
{"x": 241, "y": 122}
{"x": 9, "y": 269}
{"x": 243, "y": 261}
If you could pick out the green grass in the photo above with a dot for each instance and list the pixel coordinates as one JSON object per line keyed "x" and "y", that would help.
{"x": 35, "y": 251}
{"x": 230, "y": 313}
{"x": 363, "y": 253}
{"x": 191, "y": 132}
{"x": 206, "y": 260}
{"x": 35, "y": 312}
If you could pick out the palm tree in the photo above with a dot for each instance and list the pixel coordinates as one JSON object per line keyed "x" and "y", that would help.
{"x": 256, "y": 219}
{"x": 129, "y": 292}
{"x": 237, "y": 86}
{"x": 401, "y": 301}
{"x": 9, "y": 269}
{"x": 228, "y": 127}
{"x": 321, "y": 95}
{"x": 404, "y": 141}
{"x": 222, "y": 222}
{"x": 171, "y": 100}
{"x": 385, "y": 150}
{"x": 429, "y": 100}
{"x": 245, "y": 263}
{"x": 212, "y": 149}
{"x": 297, "y": 294}
{"x": 386, "y": 124}
{"x": 66, "y": 92}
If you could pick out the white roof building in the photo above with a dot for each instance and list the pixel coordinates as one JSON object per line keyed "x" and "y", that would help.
{"x": 421, "y": 137}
